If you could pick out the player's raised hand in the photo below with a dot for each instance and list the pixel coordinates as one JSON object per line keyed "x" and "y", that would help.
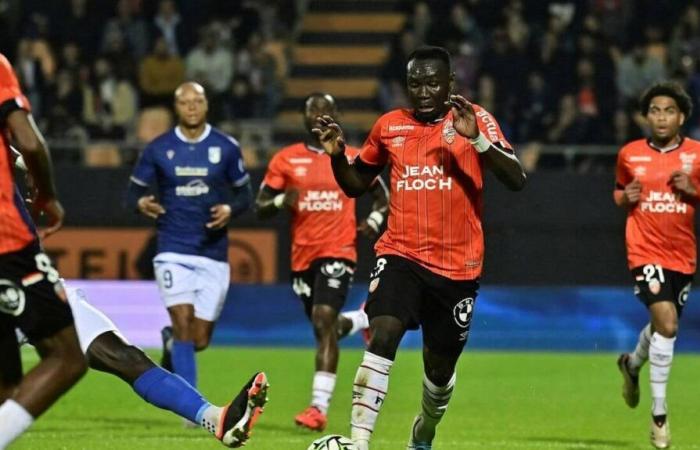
{"x": 149, "y": 207}
{"x": 220, "y": 216}
{"x": 633, "y": 191}
{"x": 330, "y": 135}
{"x": 681, "y": 182}
{"x": 464, "y": 118}
{"x": 54, "y": 213}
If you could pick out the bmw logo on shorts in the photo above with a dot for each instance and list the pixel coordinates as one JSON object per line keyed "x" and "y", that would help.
{"x": 12, "y": 299}
{"x": 683, "y": 295}
{"x": 463, "y": 312}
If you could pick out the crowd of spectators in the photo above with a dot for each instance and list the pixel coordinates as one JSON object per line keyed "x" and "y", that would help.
{"x": 559, "y": 71}
{"x": 91, "y": 67}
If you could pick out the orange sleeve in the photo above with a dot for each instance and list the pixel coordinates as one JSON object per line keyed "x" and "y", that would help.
{"x": 622, "y": 179}
{"x": 373, "y": 152}
{"x": 622, "y": 176}
{"x": 490, "y": 128}
{"x": 275, "y": 175}
{"x": 9, "y": 87}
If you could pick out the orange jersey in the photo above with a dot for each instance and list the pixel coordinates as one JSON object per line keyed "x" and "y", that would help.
{"x": 661, "y": 227}
{"x": 15, "y": 233}
{"x": 323, "y": 219}
{"x": 436, "y": 186}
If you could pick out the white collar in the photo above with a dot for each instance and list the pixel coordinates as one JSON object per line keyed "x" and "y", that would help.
{"x": 314, "y": 149}
{"x": 203, "y": 136}
{"x": 668, "y": 148}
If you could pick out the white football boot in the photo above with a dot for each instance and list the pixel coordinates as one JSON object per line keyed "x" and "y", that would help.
{"x": 660, "y": 435}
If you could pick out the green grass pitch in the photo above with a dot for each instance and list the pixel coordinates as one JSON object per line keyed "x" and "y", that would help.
{"x": 502, "y": 401}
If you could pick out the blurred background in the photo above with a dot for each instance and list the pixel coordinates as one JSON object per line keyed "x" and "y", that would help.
{"x": 562, "y": 77}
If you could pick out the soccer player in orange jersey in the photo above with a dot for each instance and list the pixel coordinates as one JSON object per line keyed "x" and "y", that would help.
{"x": 31, "y": 296}
{"x": 430, "y": 257}
{"x": 656, "y": 183}
{"x": 324, "y": 229}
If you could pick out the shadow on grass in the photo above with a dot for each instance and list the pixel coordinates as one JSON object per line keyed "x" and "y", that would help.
{"x": 574, "y": 443}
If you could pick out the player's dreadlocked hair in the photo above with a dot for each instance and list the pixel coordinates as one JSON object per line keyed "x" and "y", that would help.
{"x": 667, "y": 89}
{"x": 431, "y": 52}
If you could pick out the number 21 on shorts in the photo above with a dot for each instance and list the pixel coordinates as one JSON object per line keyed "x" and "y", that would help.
{"x": 653, "y": 272}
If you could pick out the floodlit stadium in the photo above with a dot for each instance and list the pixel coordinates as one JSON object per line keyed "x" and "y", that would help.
{"x": 287, "y": 186}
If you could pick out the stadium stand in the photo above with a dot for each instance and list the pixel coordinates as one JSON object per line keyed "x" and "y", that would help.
{"x": 561, "y": 75}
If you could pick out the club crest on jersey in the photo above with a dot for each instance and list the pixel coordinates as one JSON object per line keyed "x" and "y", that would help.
{"x": 12, "y": 299}
{"x": 214, "y": 155}
{"x": 463, "y": 312}
{"x": 448, "y": 131}
{"x": 654, "y": 286}
{"x": 170, "y": 154}
{"x": 687, "y": 161}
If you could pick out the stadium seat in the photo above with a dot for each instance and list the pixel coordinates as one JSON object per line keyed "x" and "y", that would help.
{"x": 152, "y": 122}
{"x": 102, "y": 154}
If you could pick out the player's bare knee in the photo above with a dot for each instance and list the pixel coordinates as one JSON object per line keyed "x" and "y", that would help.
{"x": 324, "y": 324}
{"x": 75, "y": 366}
{"x": 439, "y": 376}
{"x": 384, "y": 343}
{"x": 182, "y": 330}
{"x": 667, "y": 329}
{"x": 324, "y": 316}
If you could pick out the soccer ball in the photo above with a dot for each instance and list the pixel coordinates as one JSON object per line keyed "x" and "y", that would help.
{"x": 332, "y": 442}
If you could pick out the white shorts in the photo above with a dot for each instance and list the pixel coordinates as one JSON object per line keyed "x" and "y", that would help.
{"x": 195, "y": 280}
{"x": 90, "y": 322}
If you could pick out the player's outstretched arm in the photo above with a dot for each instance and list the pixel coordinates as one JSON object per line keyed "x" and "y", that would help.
{"x": 503, "y": 163}
{"x": 380, "y": 206}
{"x": 351, "y": 178}
{"x": 269, "y": 201}
{"x": 31, "y": 145}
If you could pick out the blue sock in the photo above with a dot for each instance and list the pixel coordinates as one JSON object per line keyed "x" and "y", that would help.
{"x": 168, "y": 391}
{"x": 184, "y": 362}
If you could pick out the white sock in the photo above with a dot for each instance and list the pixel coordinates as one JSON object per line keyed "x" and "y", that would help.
{"x": 359, "y": 320}
{"x": 369, "y": 390}
{"x": 435, "y": 401}
{"x": 324, "y": 383}
{"x": 660, "y": 359}
{"x": 210, "y": 418}
{"x": 14, "y": 420}
{"x": 641, "y": 351}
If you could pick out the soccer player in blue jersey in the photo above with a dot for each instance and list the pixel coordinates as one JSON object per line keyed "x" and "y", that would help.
{"x": 201, "y": 184}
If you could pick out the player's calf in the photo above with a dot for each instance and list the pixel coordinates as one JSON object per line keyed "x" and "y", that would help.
{"x": 62, "y": 365}
{"x": 109, "y": 353}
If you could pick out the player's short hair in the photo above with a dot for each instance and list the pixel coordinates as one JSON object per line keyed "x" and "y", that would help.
{"x": 316, "y": 94}
{"x": 667, "y": 89}
{"x": 431, "y": 52}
